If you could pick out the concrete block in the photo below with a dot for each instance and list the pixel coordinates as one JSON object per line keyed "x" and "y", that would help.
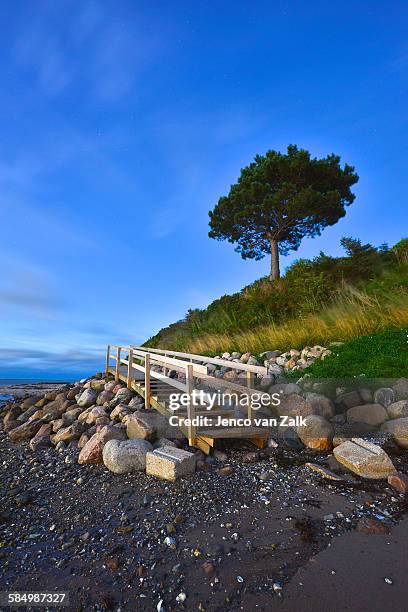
{"x": 170, "y": 463}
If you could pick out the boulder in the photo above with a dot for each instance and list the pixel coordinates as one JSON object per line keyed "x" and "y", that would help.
{"x": 399, "y": 430}
{"x": 24, "y": 416}
{"x": 384, "y": 396}
{"x": 72, "y": 393}
{"x": 94, "y": 413}
{"x": 364, "y": 459}
{"x": 149, "y": 425}
{"x": 322, "y": 405}
{"x": 12, "y": 414}
{"x": 84, "y": 414}
{"x": 87, "y": 398}
{"x": 25, "y": 431}
{"x": 41, "y": 402}
{"x": 294, "y": 405}
{"x": 101, "y": 421}
{"x": 83, "y": 440}
{"x": 57, "y": 424}
{"x": 51, "y": 395}
{"x": 119, "y": 412}
{"x": 398, "y": 410}
{"x": 72, "y": 432}
{"x": 11, "y": 424}
{"x": 128, "y": 456}
{"x": 56, "y": 408}
{"x": 98, "y": 385}
{"x": 401, "y": 388}
{"x": 317, "y": 433}
{"x": 371, "y": 414}
{"x": 344, "y": 401}
{"x": 399, "y": 482}
{"x": 71, "y": 415}
{"x": 136, "y": 403}
{"x": 39, "y": 442}
{"x": 28, "y": 402}
{"x": 93, "y": 449}
{"x": 110, "y": 385}
{"x": 122, "y": 396}
{"x": 38, "y": 414}
{"x": 104, "y": 397}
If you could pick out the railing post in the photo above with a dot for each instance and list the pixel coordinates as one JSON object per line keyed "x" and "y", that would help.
{"x": 147, "y": 381}
{"x": 250, "y": 385}
{"x": 117, "y": 370}
{"x": 130, "y": 364}
{"x": 192, "y": 430}
{"x": 107, "y": 360}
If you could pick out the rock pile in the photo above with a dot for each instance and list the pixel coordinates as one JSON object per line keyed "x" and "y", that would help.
{"x": 105, "y": 423}
{"x": 277, "y": 362}
{"x": 99, "y": 418}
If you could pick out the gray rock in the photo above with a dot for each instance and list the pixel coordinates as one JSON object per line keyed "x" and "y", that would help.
{"x": 317, "y": 433}
{"x": 124, "y": 457}
{"x": 104, "y": 397}
{"x": 235, "y": 355}
{"x": 371, "y": 414}
{"x": 321, "y": 405}
{"x": 348, "y": 400}
{"x": 294, "y": 405}
{"x": 149, "y": 425}
{"x": 384, "y": 396}
{"x": 123, "y": 396}
{"x": 398, "y": 410}
{"x": 365, "y": 459}
{"x": 86, "y": 399}
{"x": 399, "y": 430}
{"x": 274, "y": 369}
{"x": 401, "y": 388}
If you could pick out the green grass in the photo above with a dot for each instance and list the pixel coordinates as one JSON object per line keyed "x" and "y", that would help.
{"x": 317, "y": 301}
{"x": 380, "y": 355}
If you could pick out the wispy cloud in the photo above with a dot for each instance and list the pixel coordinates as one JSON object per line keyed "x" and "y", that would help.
{"x": 91, "y": 44}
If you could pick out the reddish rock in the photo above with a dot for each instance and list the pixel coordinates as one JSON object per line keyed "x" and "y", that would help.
{"x": 208, "y": 568}
{"x": 226, "y": 471}
{"x": 25, "y": 431}
{"x": 12, "y": 414}
{"x": 399, "y": 482}
{"x": 45, "y": 430}
{"x": 92, "y": 451}
{"x": 83, "y": 440}
{"x": 39, "y": 442}
{"x": 96, "y": 412}
{"x": 371, "y": 526}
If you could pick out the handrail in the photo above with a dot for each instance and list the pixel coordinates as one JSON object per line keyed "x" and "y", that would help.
{"x": 222, "y": 362}
{"x": 192, "y": 370}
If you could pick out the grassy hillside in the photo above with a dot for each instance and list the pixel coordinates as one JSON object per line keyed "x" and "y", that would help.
{"x": 318, "y": 301}
{"x": 380, "y": 355}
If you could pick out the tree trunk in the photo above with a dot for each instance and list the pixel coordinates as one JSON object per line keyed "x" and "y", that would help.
{"x": 275, "y": 274}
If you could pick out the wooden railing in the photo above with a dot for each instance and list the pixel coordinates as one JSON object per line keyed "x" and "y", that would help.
{"x": 191, "y": 366}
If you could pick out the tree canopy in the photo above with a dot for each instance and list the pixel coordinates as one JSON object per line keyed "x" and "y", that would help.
{"x": 279, "y": 199}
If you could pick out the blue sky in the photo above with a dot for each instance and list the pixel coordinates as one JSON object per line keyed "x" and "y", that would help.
{"x": 123, "y": 122}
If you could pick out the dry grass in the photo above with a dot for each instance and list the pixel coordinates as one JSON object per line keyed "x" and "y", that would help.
{"x": 352, "y": 316}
